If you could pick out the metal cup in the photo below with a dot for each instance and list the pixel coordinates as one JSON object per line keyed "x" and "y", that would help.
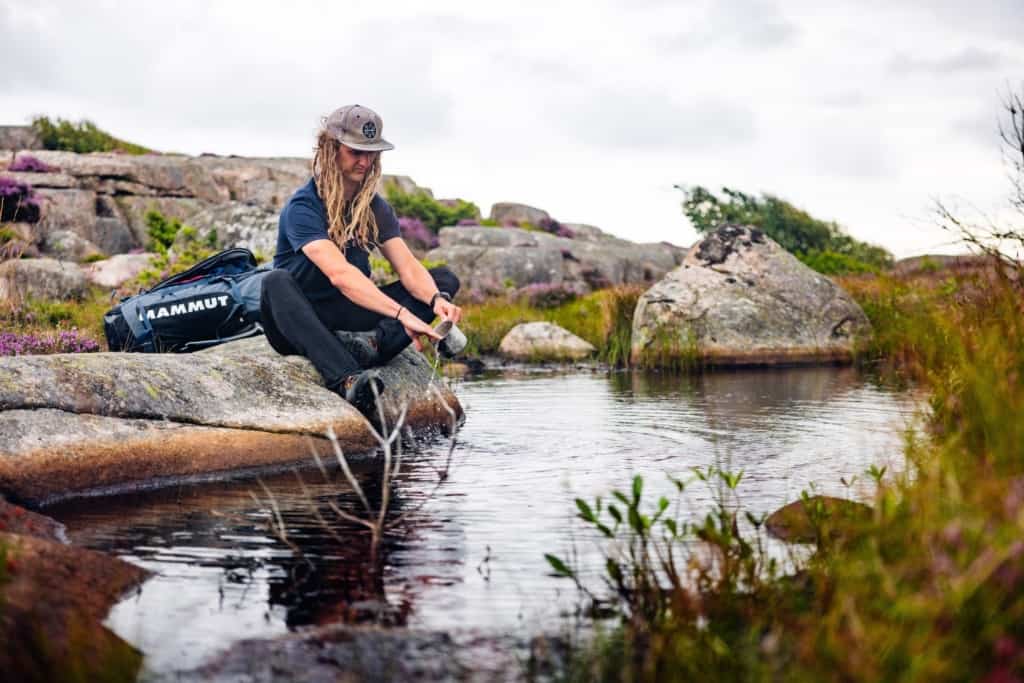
{"x": 452, "y": 342}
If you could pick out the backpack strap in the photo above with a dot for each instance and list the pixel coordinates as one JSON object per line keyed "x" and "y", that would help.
{"x": 138, "y": 323}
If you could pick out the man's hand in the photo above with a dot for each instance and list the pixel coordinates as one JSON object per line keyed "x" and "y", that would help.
{"x": 414, "y": 327}
{"x": 447, "y": 310}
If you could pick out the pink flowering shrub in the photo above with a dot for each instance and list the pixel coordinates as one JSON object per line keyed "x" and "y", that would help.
{"x": 64, "y": 341}
{"x": 18, "y": 201}
{"x": 547, "y": 295}
{"x": 416, "y": 233}
{"x": 27, "y": 163}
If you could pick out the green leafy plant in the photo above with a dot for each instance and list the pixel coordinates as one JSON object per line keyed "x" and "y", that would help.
{"x": 434, "y": 214}
{"x": 81, "y": 137}
{"x": 162, "y": 230}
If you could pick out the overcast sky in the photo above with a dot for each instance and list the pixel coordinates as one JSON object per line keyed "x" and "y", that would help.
{"x": 860, "y": 111}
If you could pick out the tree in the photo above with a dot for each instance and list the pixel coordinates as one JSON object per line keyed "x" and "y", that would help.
{"x": 1004, "y": 243}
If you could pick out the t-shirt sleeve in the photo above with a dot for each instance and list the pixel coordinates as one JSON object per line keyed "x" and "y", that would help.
{"x": 387, "y": 221}
{"x": 303, "y": 224}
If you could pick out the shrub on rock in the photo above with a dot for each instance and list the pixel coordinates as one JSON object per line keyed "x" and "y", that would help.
{"x": 18, "y": 201}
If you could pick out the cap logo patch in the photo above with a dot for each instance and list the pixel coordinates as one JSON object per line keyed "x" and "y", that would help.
{"x": 369, "y": 130}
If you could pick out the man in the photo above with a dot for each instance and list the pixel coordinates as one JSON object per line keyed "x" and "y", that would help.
{"x": 321, "y": 278}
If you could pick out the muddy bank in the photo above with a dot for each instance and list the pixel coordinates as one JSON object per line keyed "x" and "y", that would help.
{"x": 53, "y": 598}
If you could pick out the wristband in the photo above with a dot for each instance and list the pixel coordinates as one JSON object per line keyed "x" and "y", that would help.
{"x": 444, "y": 295}
{"x": 400, "y": 309}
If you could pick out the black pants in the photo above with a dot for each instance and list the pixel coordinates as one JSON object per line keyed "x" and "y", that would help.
{"x": 295, "y": 325}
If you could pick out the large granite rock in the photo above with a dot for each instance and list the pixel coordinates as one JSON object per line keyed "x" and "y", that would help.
{"x": 237, "y": 225}
{"x": 69, "y": 246}
{"x": 72, "y": 423}
{"x": 170, "y": 175}
{"x": 41, "y": 278}
{"x": 519, "y": 213}
{"x": 741, "y": 299}
{"x": 267, "y": 183}
{"x": 55, "y": 180}
{"x": 133, "y": 210}
{"x": 54, "y": 599}
{"x": 66, "y": 209}
{"x": 495, "y": 258}
{"x": 118, "y": 269}
{"x": 543, "y": 341}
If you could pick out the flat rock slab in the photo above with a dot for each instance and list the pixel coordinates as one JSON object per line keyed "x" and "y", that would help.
{"x": 71, "y": 423}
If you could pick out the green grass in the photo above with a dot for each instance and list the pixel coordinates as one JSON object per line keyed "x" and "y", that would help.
{"x": 603, "y": 318}
{"x": 44, "y": 316}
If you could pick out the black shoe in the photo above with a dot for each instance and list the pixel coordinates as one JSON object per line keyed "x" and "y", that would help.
{"x": 359, "y": 391}
{"x": 362, "y": 348}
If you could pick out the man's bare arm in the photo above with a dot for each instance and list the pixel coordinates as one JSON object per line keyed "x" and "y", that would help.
{"x": 358, "y": 288}
{"x": 416, "y": 278}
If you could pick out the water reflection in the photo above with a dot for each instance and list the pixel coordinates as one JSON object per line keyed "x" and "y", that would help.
{"x": 471, "y": 554}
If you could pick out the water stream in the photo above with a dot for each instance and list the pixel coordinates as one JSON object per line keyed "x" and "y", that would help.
{"x": 470, "y": 552}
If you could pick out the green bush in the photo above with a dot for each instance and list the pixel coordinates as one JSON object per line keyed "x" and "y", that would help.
{"x": 434, "y": 214}
{"x": 162, "y": 230}
{"x": 81, "y": 137}
{"x": 832, "y": 263}
{"x": 794, "y": 229}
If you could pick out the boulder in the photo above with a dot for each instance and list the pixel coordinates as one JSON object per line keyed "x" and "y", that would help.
{"x": 520, "y": 213}
{"x": 170, "y": 175}
{"x": 401, "y": 183}
{"x": 71, "y": 210}
{"x": 41, "y": 278}
{"x": 61, "y": 181}
{"x": 19, "y": 137}
{"x": 133, "y": 209}
{"x": 267, "y": 183}
{"x": 817, "y": 518}
{"x": 543, "y": 341}
{"x": 488, "y": 258}
{"x": 71, "y": 423}
{"x": 116, "y": 270}
{"x": 54, "y": 599}
{"x": 69, "y": 246}
{"x": 741, "y": 299}
{"x": 237, "y": 225}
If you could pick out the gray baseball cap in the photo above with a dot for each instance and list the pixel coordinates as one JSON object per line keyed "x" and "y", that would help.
{"x": 358, "y": 127}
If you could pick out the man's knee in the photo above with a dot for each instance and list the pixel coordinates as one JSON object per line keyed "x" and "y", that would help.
{"x": 277, "y": 280}
{"x": 445, "y": 279}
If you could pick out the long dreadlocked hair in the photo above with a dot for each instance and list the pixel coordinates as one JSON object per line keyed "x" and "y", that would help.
{"x": 346, "y": 219}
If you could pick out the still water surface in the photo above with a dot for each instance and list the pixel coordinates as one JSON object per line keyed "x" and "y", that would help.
{"x": 471, "y": 553}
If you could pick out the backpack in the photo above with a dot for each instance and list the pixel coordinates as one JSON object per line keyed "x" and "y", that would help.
{"x": 215, "y": 301}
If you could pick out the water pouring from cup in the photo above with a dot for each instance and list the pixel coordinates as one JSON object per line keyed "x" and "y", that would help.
{"x": 453, "y": 340}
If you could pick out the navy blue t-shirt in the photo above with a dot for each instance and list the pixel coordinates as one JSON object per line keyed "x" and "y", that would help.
{"x": 304, "y": 219}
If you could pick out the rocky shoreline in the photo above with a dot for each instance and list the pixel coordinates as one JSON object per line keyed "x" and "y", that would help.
{"x": 71, "y": 423}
